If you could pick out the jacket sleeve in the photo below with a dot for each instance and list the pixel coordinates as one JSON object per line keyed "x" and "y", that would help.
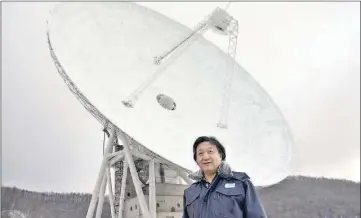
{"x": 252, "y": 207}
{"x": 185, "y": 214}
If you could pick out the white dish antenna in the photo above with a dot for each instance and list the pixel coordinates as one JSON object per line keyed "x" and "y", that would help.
{"x": 164, "y": 85}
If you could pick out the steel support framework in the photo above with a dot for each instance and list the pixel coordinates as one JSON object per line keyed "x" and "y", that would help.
{"x": 104, "y": 182}
{"x": 118, "y": 174}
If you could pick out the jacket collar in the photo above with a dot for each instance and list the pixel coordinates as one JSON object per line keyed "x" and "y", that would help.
{"x": 224, "y": 170}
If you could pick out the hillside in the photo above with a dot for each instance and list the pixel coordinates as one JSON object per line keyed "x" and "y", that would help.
{"x": 305, "y": 197}
{"x": 295, "y": 197}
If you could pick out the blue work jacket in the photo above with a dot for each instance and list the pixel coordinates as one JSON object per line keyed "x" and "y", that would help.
{"x": 232, "y": 196}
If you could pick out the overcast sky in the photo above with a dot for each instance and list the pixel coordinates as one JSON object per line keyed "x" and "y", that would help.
{"x": 306, "y": 55}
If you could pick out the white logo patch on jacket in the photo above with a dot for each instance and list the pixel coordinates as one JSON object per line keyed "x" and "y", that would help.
{"x": 230, "y": 185}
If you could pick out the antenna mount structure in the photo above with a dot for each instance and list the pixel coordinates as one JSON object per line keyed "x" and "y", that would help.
{"x": 128, "y": 156}
{"x": 142, "y": 117}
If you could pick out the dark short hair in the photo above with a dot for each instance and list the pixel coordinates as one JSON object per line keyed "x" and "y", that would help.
{"x": 212, "y": 140}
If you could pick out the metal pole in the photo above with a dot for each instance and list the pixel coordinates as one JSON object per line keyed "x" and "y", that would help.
{"x": 116, "y": 159}
{"x": 118, "y": 172}
{"x": 185, "y": 177}
{"x": 114, "y": 154}
{"x": 111, "y": 200}
{"x": 161, "y": 173}
{"x": 152, "y": 190}
{"x": 122, "y": 191}
{"x": 95, "y": 194}
{"x": 181, "y": 173}
{"x": 227, "y": 84}
{"x": 133, "y": 97}
{"x": 135, "y": 177}
{"x": 101, "y": 197}
{"x": 141, "y": 156}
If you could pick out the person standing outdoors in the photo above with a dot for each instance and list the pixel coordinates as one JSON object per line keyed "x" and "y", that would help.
{"x": 219, "y": 192}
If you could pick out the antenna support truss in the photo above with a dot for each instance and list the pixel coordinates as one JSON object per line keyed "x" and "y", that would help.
{"x": 221, "y": 22}
{"x": 127, "y": 156}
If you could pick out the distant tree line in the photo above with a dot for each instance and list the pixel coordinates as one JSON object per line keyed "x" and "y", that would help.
{"x": 49, "y": 204}
{"x": 295, "y": 197}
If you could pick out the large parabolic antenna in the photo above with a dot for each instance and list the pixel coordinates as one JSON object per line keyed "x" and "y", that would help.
{"x": 162, "y": 85}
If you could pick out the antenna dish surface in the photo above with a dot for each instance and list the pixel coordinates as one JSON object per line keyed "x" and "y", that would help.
{"x": 106, "y": 50}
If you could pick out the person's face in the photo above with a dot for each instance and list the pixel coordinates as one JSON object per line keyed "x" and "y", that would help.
{"x": 208, "y": 158}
